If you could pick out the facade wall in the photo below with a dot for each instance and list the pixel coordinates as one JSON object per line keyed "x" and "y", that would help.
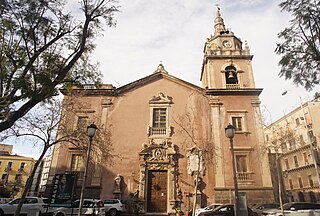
{"x": 12, "y": 174}
{"x": 162, "y": 127}
{"x": 290, "y": 135}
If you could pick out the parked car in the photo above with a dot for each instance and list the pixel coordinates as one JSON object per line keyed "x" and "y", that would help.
{"x": 31, "y": 204}
{"x": 90, "y": 207}
{"x": 207, "y": 208}
{"x": 294, "y": 208}
{"x": 225, "y": 210}
{"x": 4, "y": 200}
{"x": 114, "y": 206}
{"x": 263, "y": 207}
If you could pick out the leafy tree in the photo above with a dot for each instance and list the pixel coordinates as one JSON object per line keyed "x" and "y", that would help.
{"x": 42, "y": 47}
{"x": 49, "y": 119}
{"x": 300, "y": 50}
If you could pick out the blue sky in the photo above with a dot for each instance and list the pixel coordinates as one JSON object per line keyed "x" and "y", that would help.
{"x": 174, "y": 32}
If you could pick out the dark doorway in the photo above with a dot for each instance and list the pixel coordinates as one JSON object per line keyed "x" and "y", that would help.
{"x": 157, "y": 191}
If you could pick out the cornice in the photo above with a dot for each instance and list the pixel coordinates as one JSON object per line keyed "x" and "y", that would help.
{"x": 247, "y": 91}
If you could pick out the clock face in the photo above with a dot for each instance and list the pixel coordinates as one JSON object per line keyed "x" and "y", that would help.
{"x": 226, "y": 43}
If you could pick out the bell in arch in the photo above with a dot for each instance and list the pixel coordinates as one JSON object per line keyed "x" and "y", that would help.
{"x": 231, "y": 78}
{"x": 230, "y": 75}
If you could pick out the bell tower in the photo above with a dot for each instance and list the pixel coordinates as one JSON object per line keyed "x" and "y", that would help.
{"x": 226, "y": 62}
{"x": 227, "y": 76}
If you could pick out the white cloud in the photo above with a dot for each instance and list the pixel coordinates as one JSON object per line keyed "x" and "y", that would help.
{"x": 174, "y": 32}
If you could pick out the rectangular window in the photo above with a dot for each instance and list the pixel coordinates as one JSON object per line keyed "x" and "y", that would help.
{"x": 236, "y": 122}
{"x": 296, "y": 163}
{"x": 310, "y": 180}
{"x": 76, "y": 162}
{"x": 18, "y": 178}
{"x": 159, "y": 119}
{"x": 22, "y": 165}
{"x": 301, "y": 139}
{"x": 292, "y": 143}
{"x": 305, "y": 157}
{"x": 297, "y": 121}
{"x": 82, "y": 121}
{"x": 300, "y": 182}
{"x": 241, "y": 162}
{"x": 284, "y": 147}
{"x": 290, "y": 184}
{"x": 311, "y": 133}
{"x": 286, "y": 161}
{"x": 9, "y": 166}
{"x": 4, "y": 178}
{"x": 267, "y": 137}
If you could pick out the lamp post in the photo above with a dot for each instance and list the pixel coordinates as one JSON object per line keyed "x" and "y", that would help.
{"x": 91, "y": 130}
{"x": 230, "y": 132}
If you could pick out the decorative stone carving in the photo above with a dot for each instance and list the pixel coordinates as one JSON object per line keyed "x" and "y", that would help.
{"x": 160, "y": 156}
{"x": 117, "y": 184}
{"x": 161, "y": 99}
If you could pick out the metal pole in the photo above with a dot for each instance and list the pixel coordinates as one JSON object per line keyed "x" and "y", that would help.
{"x": 310, "y": 140}
{"x": 279, "y": 182}
{"x": 236, "y": 192}
{"x": 85, "y": 177}
{"x": 197, "y": 182}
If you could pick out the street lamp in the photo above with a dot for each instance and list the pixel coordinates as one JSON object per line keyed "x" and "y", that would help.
{"x": 91, "y": 130}
{"x": 230, "y": 132}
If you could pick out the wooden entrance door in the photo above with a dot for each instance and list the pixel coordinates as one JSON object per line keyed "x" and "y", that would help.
{"x": 157, "y": 191}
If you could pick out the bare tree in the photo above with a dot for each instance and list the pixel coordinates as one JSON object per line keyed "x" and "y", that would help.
{"x": 43, "y": 47}
{"x": 193, "y": 135}
{"x": 50, "y": 119}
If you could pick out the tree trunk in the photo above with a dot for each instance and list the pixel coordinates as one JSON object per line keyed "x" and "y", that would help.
{"x": 29, "y": 182}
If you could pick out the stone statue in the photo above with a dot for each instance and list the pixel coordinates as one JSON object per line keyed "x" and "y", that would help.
{"x": 117, "y": 183}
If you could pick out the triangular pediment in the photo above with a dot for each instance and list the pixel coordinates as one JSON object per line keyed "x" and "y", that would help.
{"x": 154, "y": 78}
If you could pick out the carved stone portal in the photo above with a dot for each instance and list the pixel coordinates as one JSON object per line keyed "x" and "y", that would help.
{"x": 159, "y": 157}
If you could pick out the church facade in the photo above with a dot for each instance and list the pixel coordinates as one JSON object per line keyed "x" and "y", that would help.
{"x": 165, "y": 131}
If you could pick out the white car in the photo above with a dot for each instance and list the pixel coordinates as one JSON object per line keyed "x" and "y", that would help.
{"x": 114, "y": 206}
{"x": 31, "y": 205}
{"x": 207, "y": 208}
{"x": 90, "y": 207}
{"x": 295, "y": 208}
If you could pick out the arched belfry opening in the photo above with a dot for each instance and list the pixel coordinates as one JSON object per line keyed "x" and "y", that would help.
{"x": 231, "y": 75}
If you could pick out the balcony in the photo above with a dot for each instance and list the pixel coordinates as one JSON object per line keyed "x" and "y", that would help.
{"x": 158, "y": 131}
{"x": 245, "y": 177}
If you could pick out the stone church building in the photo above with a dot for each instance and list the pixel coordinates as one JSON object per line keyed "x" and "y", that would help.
{"x": 164, "y": 129}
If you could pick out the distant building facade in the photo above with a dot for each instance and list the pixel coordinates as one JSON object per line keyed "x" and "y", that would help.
{"x": 40, "y": 178}
{"x": 295, "y": 138}
{"x": 14, "y": 170}
{"x": 157, "y": 122}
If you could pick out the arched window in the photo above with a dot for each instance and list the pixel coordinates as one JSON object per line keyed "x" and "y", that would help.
{"x": 231, "y": 75}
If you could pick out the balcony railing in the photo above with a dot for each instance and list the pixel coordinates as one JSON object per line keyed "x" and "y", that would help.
{"x": 232, "y": 86}
{"x": 7, "y": 169}
{"x": 244, "y": 176}
{"x": 160, "y": 131}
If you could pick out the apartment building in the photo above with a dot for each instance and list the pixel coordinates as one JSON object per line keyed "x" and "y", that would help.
{"x": 14, "y": 170}
{"x": 294, "y": 138}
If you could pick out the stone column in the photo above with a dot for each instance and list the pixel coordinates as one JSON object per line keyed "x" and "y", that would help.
{"x": 217, "y": 121}
{"x": 264, "y": 163}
